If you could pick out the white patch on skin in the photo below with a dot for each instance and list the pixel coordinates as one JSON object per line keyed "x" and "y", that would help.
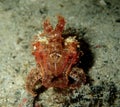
{"x": 39, "y": 33}
{"x": 34, "y": 48}
{"x": 70, "y": 40}
{"x": 42, "y": 38}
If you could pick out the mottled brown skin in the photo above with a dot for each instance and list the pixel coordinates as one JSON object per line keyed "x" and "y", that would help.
{"x": 55, "y": 57}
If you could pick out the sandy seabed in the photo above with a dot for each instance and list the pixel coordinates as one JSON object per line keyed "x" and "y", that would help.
{"x": 99, "y": 24}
